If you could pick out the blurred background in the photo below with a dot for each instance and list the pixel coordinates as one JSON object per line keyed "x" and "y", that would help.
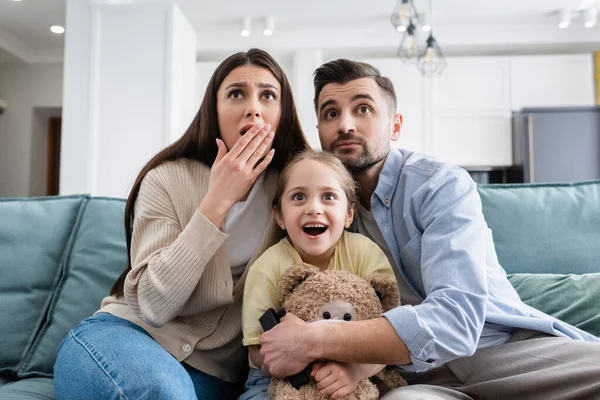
{"x": 91, "y": 89}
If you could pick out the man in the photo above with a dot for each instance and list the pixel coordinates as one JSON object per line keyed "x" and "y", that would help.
{"x": 462, "y": 331}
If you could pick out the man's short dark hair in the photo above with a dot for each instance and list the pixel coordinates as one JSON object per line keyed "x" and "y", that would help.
{"x": 343, "y": 71}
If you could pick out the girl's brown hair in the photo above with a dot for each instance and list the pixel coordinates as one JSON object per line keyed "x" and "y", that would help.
{"x": 199, "y": 140}
{"x": 344, "y": 176}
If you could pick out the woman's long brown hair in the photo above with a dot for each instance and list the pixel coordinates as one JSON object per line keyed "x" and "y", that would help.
{"x": 199, "y": 140}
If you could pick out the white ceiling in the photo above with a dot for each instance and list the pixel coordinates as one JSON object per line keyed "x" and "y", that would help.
{"x": 29, "y": 21}
{"x": 316, "y": 13}
{"x": 461, "y": 26}
{"x": 7, "y": 58}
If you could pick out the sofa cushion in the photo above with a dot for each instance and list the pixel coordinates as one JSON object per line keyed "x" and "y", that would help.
{"x": 27, "y": 389}
{"x": 33, "y": 236}
{"x": 545, "y": 228}
{"x": 96, "y": 257}
{"x": 570, "y": 298}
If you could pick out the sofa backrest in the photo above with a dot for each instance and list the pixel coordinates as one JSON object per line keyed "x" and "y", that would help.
{"x": 545, "y": 228}
{"x": 59, "y": 257}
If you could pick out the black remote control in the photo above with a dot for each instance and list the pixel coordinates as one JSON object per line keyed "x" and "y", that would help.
{"x": 268, "y": 320}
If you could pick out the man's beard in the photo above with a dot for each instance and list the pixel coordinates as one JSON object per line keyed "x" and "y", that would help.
{"x": 360, "y": 164}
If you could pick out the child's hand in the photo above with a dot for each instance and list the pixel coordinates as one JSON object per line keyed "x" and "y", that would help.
{"x": 334, "y": 379}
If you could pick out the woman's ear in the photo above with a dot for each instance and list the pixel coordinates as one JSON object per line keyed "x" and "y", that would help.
{"x": 349, "y": 216}
{"x": 279, "y": 218}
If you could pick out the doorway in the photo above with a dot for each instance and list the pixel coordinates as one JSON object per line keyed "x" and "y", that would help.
{"x": 54, "y": 137}
{"x": 44, "y": 178}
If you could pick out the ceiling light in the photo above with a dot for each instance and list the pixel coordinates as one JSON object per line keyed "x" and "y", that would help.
{"x": 404, "y": 13}
{"x": 59, "y": 30}
{"x": 246, "y": 24}
{"x": 564, "y": 18}
{"x": 590, "y": 17}
{"x": 269, "y": 26}
{"x": 16, "y": 0}
{"x": 404, "y": 10}
{"x": 411, "y": 48}
{"x": 432, "y": 62}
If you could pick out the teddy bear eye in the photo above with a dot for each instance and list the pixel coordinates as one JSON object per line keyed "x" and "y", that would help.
{"x": 347, "y": 317}
{"x": 326, "y": 315}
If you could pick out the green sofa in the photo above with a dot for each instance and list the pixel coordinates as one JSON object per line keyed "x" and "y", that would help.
{"x": 60, "y": 255}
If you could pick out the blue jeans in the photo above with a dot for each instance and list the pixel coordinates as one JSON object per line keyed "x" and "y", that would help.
{"x": 107, "y": 357}
{"x": 256, "y": 386}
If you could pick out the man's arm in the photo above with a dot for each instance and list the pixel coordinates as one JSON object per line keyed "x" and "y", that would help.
{"x": 293, "y": 344}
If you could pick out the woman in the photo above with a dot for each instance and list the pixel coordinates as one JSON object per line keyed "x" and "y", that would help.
{"x": 171, "y": 328}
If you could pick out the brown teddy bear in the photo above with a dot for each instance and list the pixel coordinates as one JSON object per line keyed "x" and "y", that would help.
{"x": 315, "y": 295}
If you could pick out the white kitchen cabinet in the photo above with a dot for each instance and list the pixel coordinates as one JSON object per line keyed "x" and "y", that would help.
{"x": 551, "y": 81}
{"x": 471, "y": 112}
{"x": 474, "y": 84}
{"x": 472, "y": 140}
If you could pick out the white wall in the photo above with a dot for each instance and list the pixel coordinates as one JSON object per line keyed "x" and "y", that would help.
{"x": 24, "y": 87}
{"x": 129, "y": 86}
{"x": 183, "y": 89}
{"x": 204, "y": 71}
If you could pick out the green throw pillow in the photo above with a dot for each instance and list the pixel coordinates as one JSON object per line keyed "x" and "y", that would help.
{"x": 570, "y": 298}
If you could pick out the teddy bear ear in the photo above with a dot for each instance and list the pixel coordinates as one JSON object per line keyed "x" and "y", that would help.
{"x": 292, "y": 277}
{"x": 386, "y": 289}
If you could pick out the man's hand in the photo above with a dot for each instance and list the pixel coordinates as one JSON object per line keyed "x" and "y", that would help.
{"x": 334, "y": 379}
{"x": 285, "y": 347}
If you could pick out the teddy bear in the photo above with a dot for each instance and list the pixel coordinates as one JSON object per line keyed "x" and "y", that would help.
{"x": 314, "y": 295}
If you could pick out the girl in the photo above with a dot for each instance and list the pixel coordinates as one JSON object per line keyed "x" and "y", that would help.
{"x": 171, "y": 328}
{"x": 313, "y": 203}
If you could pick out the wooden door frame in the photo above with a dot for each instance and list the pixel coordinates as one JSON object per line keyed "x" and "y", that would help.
{"x": 54, "y": 139}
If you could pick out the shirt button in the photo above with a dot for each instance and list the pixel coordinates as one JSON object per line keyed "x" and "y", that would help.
{"x": 186, "y": 347}
{"x": 387, "y": 201}
{"x": 210, "y": 326}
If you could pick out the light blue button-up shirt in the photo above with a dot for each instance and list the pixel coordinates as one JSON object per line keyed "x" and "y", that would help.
{"x": 430, "y": 215}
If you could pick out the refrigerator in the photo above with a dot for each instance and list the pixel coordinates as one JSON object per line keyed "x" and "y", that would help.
{"x": 560, "y": 144}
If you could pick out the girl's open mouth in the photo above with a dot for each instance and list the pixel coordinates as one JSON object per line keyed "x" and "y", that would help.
{"x": 314, "y": 229}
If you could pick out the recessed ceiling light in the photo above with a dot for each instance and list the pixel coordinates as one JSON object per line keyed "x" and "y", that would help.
{"x": 590, "y": 17}
{"x": 59, "y": 30}
{"x": 564, "y": 18}
{"x": 246, "y": 26}
{"x": 16, "y": 0}
{"x": 269, "y": 26}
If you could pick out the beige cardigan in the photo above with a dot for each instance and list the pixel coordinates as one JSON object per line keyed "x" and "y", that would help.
{"x": 180, "y": 288}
